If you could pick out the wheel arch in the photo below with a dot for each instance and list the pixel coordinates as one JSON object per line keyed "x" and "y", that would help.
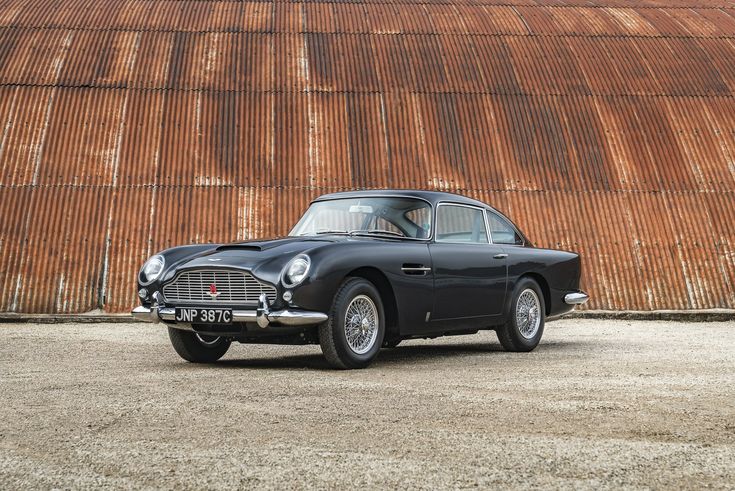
{"x": 387, "y": 296}
{"x": 544, "y": 285}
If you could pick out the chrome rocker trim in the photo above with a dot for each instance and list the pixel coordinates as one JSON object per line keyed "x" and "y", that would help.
{"x": 263, "y": 316}
{"x": 576, "y": 298}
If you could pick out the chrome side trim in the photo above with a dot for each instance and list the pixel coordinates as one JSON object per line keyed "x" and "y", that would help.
{"x": 416, "y": 269}
{"x": 576, "y": 298}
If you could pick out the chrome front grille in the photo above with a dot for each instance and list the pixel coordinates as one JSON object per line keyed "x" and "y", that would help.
{"x": 230, "y": 287}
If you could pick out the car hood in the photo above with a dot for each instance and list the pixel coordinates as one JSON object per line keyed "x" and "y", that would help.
{"x": 251, "y": 254}
{"x": 264, "y": 258}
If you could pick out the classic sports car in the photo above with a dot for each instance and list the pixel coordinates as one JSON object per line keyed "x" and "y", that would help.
{"x": 360, "y": 271}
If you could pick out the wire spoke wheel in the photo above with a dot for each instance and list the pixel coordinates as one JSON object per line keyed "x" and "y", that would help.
{"x": 528, "y": 313}
{"x": 361, "y": 324}
{"x": 352, "y": 335}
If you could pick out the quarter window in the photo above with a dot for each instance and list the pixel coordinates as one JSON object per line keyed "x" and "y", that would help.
{"x": 383, "y": 224}
{"x": 421, "y": 219}
{"x": 460, "y": 224}
{"x": 501, "y": 231}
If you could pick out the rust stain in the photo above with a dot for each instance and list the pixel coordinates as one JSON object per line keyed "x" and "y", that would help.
{"x": 605, "y": 126}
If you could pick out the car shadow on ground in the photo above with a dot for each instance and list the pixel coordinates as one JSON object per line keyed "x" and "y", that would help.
{"x": 404, "y": 354}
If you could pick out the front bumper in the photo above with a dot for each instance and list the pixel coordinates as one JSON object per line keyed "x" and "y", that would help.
{"x": 576, "y": 298}
{"x": 263, "y": 316}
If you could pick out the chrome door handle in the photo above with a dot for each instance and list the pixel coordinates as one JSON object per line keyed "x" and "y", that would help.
{"x": 500, "y": 256}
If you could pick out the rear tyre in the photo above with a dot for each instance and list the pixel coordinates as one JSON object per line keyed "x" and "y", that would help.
{"x": 353, "y": 334}
{"x": 525, "y": 325}
{"x": 198, "y": 348}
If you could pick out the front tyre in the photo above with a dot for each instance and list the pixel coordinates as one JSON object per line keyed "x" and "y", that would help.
{"x": 525, "y": 324}
{"x": 198, "y": 348}
{"x": 353, "y": 334}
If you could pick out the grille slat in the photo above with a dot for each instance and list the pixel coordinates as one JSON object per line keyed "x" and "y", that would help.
{"x": 234, "y": 287}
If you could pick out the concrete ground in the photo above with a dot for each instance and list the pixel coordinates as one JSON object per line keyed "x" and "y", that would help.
{"x": 603, "y": 404}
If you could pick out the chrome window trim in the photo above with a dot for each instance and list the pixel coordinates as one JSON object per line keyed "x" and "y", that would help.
{"x": 507, "y": 221}
{"x": 392, "y": 195}
{"x": 462, "y": 205}
{"x": 432, "y": 210}
{"x": 487, "y": 226}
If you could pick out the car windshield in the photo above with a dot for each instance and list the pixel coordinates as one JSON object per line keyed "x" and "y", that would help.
{"x": 380, "y": 216}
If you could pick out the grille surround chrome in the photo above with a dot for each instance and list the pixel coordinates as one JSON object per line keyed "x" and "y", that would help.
{"x": 234, "y": 286}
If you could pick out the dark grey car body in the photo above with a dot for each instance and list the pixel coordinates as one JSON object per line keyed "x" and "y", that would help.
{"x": 428, "y": 288}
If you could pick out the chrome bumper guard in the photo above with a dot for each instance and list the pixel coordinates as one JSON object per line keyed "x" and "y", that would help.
{"x": 576, "y": 298}
{"x": 263, "y": 316}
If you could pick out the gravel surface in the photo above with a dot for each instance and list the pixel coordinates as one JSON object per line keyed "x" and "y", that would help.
{"x": 603, "y": 404}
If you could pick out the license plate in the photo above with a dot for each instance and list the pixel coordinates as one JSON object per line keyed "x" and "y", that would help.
{"x": 203, "y": 316}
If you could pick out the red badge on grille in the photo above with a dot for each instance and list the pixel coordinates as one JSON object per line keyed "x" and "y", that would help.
{"x": 213, "y": 291}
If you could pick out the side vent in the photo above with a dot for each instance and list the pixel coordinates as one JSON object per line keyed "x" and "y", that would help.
{"x": 415, "y": 269}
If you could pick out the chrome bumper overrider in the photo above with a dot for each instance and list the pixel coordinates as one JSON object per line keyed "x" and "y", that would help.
{"x": 263, "y": 316}
{"x": 576, "y": 298}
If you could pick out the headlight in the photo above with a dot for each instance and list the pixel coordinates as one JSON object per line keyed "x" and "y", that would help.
{"x": 152, "y": 269}
{"x": 296, "y": 270}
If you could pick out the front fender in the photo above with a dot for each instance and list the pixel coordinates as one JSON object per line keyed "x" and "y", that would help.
{"x": 413, "y": 294}
{"x": 329, "y": 267}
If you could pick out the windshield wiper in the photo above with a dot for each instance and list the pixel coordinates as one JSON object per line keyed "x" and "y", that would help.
{"x": 376, "y": 232}
{"x": 323, "y": 232}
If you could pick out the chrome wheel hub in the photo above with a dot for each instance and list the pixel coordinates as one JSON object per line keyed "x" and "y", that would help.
{"x": 361, "y": 324}
{"x": 528, "y": 313}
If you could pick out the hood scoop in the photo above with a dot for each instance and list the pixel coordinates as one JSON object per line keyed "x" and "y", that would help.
{"x": 264, "y": 245}
{"x": 239, "y": 247}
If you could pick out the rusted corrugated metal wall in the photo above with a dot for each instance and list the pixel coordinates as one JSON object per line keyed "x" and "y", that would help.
{"x": 126, "y": 127}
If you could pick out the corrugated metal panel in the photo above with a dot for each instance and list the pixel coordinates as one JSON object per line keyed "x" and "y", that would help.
{"x": 55, "y": 247}
{"x": 564, "y": 64}
{"x": 606, "y": 127}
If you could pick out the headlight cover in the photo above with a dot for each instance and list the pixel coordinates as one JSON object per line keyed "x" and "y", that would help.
{"x": 152, "y": 269}
{"x": 296, "y": 271}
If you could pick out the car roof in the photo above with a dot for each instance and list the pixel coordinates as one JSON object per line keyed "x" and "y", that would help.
{"x": 432, "y": 197}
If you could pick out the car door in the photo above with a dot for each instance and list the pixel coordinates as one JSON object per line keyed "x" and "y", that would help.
{"x": 470, "y": 272}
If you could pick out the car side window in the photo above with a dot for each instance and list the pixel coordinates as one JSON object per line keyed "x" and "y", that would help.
{"x": 501, "y": 231}
{"x": 460, "y": 224}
